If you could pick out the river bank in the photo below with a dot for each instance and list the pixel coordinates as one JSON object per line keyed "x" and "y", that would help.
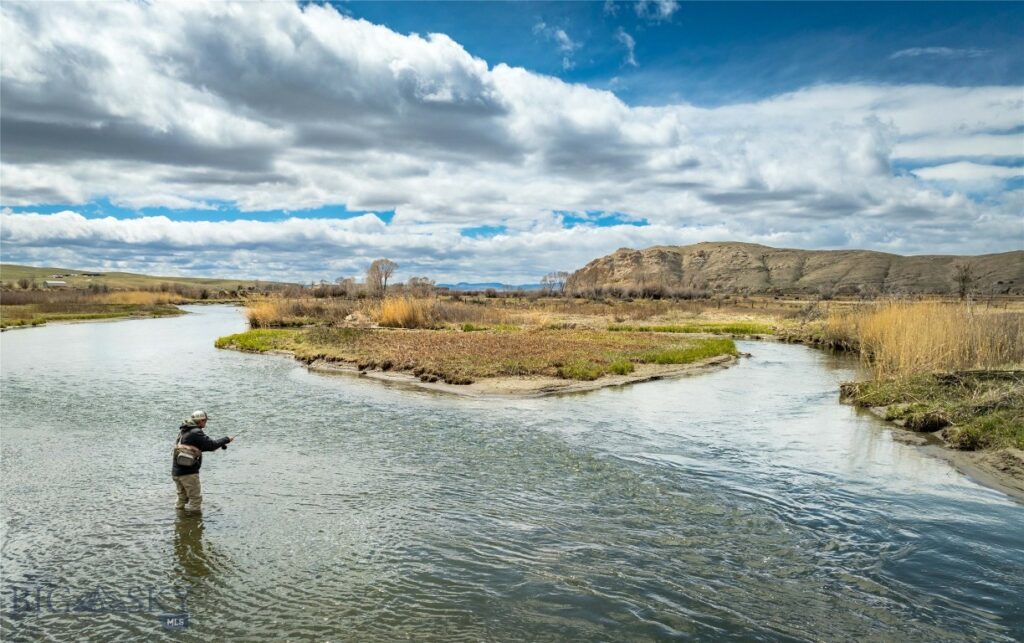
{"x": 999, "y": 469}
{"x": 129, "y": 312}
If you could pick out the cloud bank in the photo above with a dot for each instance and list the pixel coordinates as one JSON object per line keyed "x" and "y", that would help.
{"x": 278, "y": 106}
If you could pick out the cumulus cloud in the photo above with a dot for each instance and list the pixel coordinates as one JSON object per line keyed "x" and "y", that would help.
{"x": 281, "y": 106}
{"x": 940, "y": 52}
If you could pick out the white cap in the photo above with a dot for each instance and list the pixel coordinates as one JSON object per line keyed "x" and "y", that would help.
{"x": 198, "y": 415}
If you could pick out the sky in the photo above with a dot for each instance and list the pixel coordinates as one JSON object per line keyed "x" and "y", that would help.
{"x": 501, "y": 141}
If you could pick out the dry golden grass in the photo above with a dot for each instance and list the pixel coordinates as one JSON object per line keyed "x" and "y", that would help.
{"x": 442, "y": 312}
{"x": 404, "y": 312}
{"x": 394, "y": 312}
{"x": 900, "y": 339}
{"x": 280, "y": 312}
{"x": 140, "y": 298}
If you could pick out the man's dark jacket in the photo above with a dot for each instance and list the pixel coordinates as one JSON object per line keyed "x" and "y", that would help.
{"x": 192, "y": 435}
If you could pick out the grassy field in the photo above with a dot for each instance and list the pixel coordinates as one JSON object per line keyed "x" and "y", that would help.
{"x": 33, "y": 308}
{"x": 11, "y": 274}
{"x": 460, "y": 357}
{"x": 16, "y": 316}
{"x": 25, "y": 300}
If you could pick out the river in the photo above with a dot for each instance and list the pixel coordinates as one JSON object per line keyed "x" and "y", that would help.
{"x": 744, "y": 503}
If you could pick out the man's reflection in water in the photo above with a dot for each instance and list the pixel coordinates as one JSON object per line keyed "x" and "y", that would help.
{"x": 189, "y": 546}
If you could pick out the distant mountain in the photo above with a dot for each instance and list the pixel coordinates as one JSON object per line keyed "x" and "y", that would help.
{"x": 462, "y": 285}
{"x": 732, "y": 267}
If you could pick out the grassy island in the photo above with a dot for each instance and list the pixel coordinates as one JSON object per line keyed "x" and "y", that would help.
{"x": 459, "y": 341}
{"x": 457, "y": 356}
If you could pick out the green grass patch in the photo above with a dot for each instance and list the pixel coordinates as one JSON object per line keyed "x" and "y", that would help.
{"x": 726, "y": 328}
{"x": 621, "y": 367}
{"x": 581, "y": 370}
{"x": 259, "y": 340}
{"x": 974, "y": 409}
{"x": 696, "y": 352}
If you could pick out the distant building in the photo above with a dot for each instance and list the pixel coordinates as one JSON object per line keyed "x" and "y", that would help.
{"x": 50, "y": 283}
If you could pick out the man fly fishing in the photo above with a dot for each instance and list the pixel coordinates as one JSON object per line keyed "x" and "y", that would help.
{"x": 188, "y": 458}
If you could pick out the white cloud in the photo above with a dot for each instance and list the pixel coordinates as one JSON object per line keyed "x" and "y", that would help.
{"x": 276, "y": 106}
{"x": 656, "y": 10}
{"x": 969, "y": 176}
{"x": 139, "y": 201}
{"x": 940, "y": 52}
{"x": 630, "y": 44}
{"x": 562, "y": 41}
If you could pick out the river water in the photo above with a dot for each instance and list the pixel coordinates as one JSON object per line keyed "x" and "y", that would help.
{"x": 745, "y": 503}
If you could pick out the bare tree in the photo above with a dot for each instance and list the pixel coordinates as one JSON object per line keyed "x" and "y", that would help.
{"x": 377, "y": 275}
{"x": 420, "y": 286}
{"x": 348, "y": 286}
{"x": 963, "y": 275}
{"x": 555, "y": 281}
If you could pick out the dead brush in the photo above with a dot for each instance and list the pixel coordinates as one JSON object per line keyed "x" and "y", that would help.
{"x": 281, "y": 312}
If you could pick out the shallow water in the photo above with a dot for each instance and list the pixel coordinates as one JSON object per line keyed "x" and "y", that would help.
{"x": 745, "y": 503}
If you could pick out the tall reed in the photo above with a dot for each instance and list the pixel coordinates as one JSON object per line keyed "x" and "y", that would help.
{"x": 901, "y": 339}
{"x": 404, "y": 312}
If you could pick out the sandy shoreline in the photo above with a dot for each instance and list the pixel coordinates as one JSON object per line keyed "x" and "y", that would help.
{"x": 1000, "y": 469}
{"x": 536, "y": 386}
{"x": 516, "y": 387}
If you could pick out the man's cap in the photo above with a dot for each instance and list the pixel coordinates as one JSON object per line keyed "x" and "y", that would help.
{"x": 198, "y": 415}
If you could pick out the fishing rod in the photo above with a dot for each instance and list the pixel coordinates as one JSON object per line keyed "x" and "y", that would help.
{"x": 243, "y": 430}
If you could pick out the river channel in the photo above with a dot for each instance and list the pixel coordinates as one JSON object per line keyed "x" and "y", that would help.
{"x": 745, "y": 503}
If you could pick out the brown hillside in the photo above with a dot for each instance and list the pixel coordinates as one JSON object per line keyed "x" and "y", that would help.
{"x": 732, "y": 267}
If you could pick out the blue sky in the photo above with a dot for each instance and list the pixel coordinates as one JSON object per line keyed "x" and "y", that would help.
{"x": 710, "y": 53}
{"x": 301, "y": 141}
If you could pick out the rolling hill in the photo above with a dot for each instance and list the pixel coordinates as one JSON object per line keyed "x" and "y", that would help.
{"x": 747, "y": 268}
